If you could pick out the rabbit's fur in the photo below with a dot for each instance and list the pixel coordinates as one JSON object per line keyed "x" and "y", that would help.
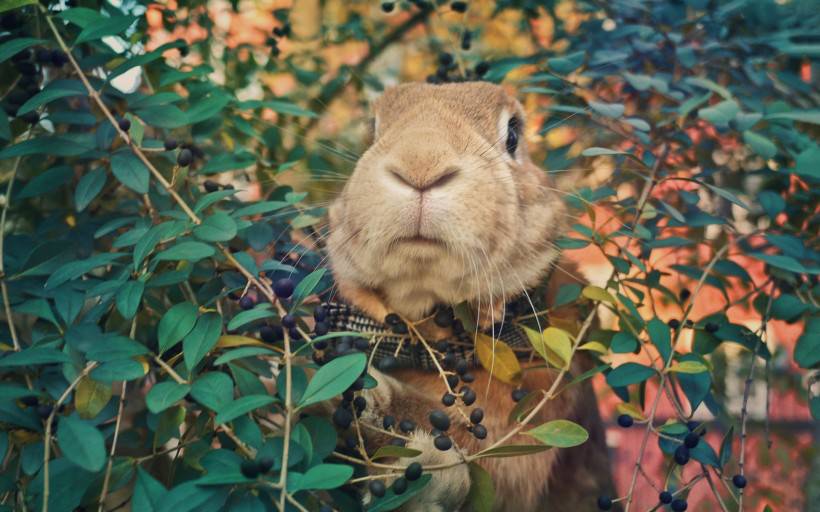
{"x": 438, "y": 211}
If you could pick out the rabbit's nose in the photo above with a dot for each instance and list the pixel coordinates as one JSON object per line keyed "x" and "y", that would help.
{"x": 425, "y": 181}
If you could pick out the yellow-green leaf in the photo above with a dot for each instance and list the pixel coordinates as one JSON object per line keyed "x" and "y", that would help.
{"x": 231, "y": 340}
{"x": 389, "y": 451}
{"x": 594, "y": 346}
{"x": 497, "y": 357}
{"x": 91, "y": 397}
{"x": 482, "y": 491}
{"x": 597, "y": 293}
{"x": 539, "y": 344}
{"x": 630, "y": 410}
{"x": 560, "y": 433}
{"x": 689, "y": 367}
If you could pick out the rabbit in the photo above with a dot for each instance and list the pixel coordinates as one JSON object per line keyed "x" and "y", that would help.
{"x": 447, "y": 207}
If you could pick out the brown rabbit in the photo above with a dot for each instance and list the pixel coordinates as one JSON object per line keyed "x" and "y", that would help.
{"x": 446, "y": 207}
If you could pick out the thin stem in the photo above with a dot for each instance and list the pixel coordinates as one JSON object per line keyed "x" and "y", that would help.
{"x": 107, "y": 479}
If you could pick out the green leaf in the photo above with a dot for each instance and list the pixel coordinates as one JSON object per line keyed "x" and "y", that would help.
{"x": 628, "y": 373}
{"x": 111, "y": 348}
{"x": 56, "y": 145}
{"x": 392, "y": 501}
{"x": 760, "y": 144}
{"x": 187, "y": 250}
{"x": 602, "y": 152}
{"x": 512, "y": 450}
{"x": 567, "y": 63}
{"x": 165, "y": 394}
{"x": 129, "y": 298}
{"x": 623, "y": 343}
{"x": 323, "y": 476}
{"x": 48, "y": 95}
{"x": 219, "y": 227}
{"x": 163, "y": 116}
{"x": 148, "y": 492}
{"x": 244, "y": 317}
{"x": 389, "y": 451}
{"x": 201, "y": 339}
{"x": 207, "y": 108}
{"x": 242, "y": 405}
{"x": 75, "y": 269}
{"x": 660, "y": 336}
{"x": 130, "y": 171}
{"x": 241, "y": 353}
{"x": 807, "y": 163}
{"x": 613, "y": 110}
{"x": 780, "y": 261}
{"x": 807, "y": 349}
{"x": 721, "y": 113}
{"x": 47, "y": 182}
{"x": 598, "y": 294}
{"x": 689, "y": 367}
{"x": 481, "y": 497}
{"x": 705, "y": 83}
{"x": 15, "y": 45}
{"x": 803, "y": 116}
{"x": 214, "y": 390}
{"x": 119, "y": 370}
{"x": 34, "y": 356}
{"x": 307, "y": 286}
{"x": 89, "y": 186}
{"x": 175, "y": 324}
{"x": 285, "y": 107}
{"x": 107, "y": 27}
{"x": 261, "y": 207}
{"x": 559, "y": 433}
{"x": 333, "y": 378}
{"x": 81, "y": 443}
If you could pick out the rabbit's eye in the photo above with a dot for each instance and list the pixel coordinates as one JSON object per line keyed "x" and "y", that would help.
{"x": 513, "y": 132}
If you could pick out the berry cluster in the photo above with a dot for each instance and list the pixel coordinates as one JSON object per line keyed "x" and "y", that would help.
{"x": 254, "y": 468}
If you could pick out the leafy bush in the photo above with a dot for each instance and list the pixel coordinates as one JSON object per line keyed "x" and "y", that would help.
{"x": 124, "y": 259}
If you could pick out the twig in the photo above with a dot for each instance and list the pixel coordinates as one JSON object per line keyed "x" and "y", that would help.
{"x": 170, "y": 371}
{"x": 49, "y": 421}
{"x": 714, "y": 488}
{"x": 107, "y": 478}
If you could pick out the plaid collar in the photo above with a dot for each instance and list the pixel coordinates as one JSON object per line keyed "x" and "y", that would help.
{"x": 408, "y": 352}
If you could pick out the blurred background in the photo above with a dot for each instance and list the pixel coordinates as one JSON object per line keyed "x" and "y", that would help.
{"x": 333, "y": 57}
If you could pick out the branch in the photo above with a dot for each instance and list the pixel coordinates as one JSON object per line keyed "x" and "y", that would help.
{"x": 107, "y": 479}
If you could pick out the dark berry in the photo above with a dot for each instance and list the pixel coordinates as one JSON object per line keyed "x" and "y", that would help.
{"x": 691, "y": 440}
{"x": 441, "y": 346}
{"x": 247, "y": 302}
{"x": 360, "y": 403}
{"x": 271, "y": 333}
{"x": 170, "y": 144}
{"x": 289, "y": 321}
{"x": 124, "y": 124}
{"x": 30, "y": 117}
{"x": 58, "y": 58}
{"x": 388, "y": 422}
{"x": 413, "y": 471}
{"x": 682, "y": 455}
{"x": 445, "y": 59}
{"x": 185, "y": 158}
{"x": 461, "y": 367}
{"x": 684, "y": 294}
{"x": 44, "y": 410}
{"x": 387, "y": 363}
{"x": 399, "y": 485}
{"x": 448, "y": 399}
{"x": 392, "y": 319}
{"x": 29, "y": 401}
{"x": 452, "y": 380}
{"x": 319, "y": 312}
{"x": 444, "y": 317}
{"x": 358, "y": 384}
{"x": 321, "y": 328}
{"x": 711, "y": 327}
{"x": 26, "y": 68}
{"x": 361, "y": 344}
{"x": 440, "y": 420}
{"x": 466, "y": 40}
{"x": 665, "y": 497}
{"x": 407, "y": 426}
{"x": 43, "y": 56}
{"x": 459, "y": 6}
{"x": 249, "y": 468}
{"x": 377, "y": 488}
{"x": 342, "y": 418}
{"x": 283, "y": 288}
{"x": 449, "y": 361}
{"x": 265, "y": 464}
{"x": 625, "y": 420}
{"x": 480, "y": 431}
{"x": 674, "y": 323}
{"x": 696, "y": 425}
{"x": 482, "y": 68}
{"x": 518, "y": 394}
{"x": 443, "y": 443}
{"x": 679, "y": 505}
{"x": 739, "y": 481}
{"x": 468, "y": 396}
{"x": 210, "y": 186}
{"x": 476, "y": 415}
{"x": 400, "y": 328}
{"x": 604, "y": 503}
{"x": 388, "y": 6}
{"x": 689, "y": 323}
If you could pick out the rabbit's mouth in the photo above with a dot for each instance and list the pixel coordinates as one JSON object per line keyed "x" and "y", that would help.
{"x": 420, "y": 240}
